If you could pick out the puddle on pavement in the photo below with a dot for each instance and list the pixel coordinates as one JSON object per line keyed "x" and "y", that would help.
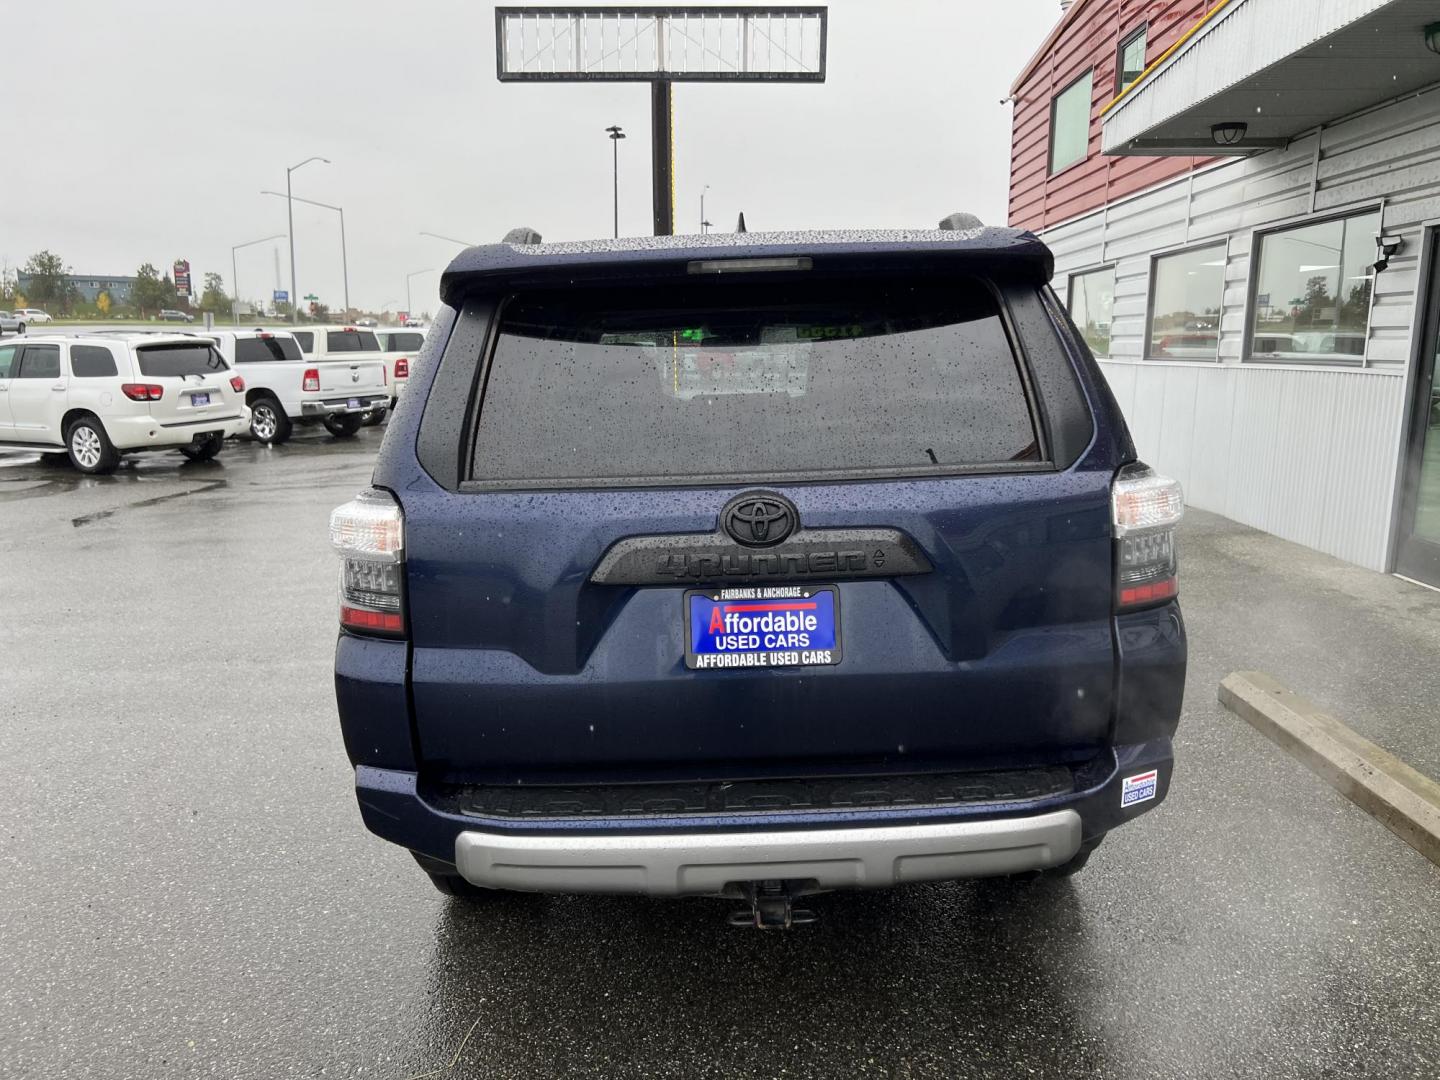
{"x": 100, "y": 515}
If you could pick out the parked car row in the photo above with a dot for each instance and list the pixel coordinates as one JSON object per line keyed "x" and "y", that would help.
{"x": 98, "y": 395}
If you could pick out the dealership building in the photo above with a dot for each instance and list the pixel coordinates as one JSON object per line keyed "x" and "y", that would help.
{"x": 1243, "y": 198}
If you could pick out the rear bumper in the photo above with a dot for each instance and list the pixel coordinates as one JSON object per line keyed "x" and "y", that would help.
{"x": 687, "y": 864}
{"x": 334, "y": 406}
{"x": 145, "y": 432}
{"x": 700, "y": 854}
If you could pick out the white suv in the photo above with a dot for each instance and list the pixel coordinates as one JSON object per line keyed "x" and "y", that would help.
{"x": 97, "y": 397}
{"x": 32, "y": 316}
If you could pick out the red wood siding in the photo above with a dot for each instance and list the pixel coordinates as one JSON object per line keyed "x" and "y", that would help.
{"x": 1087, "y": 37}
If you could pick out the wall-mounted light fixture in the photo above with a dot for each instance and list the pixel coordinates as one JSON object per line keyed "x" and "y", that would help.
{"x": 1386, "y": 246}
{"x": 1432, "y": 37}
{"x": 1228, "y": 134}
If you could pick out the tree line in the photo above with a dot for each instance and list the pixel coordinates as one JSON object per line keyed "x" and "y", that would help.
{"x": 50, "y": 287}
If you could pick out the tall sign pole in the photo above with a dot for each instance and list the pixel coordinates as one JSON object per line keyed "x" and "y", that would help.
{"x": 662, "y": 157}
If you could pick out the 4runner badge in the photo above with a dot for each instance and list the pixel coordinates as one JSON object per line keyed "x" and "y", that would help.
{"x": 759, "y": 518}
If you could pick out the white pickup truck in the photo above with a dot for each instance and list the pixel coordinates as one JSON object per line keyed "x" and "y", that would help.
{"x": 284, "y": 387}
{"x": 328, "y": 342}
{"x": 399, "y": 346}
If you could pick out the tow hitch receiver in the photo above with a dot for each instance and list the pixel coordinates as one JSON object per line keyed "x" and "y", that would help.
{"x": 771, "y": 907}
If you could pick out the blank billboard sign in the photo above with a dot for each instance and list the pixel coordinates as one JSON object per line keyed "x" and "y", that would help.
{"x": 635, "y": 44}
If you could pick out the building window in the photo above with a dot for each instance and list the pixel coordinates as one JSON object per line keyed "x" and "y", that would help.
{"x": 1130, "y": 59}
{"x": 1186, "y": 291}
{"x": 1092, "y": 299}
{"x": 1312, "y": 291}
{"x": 1070, "y": 124}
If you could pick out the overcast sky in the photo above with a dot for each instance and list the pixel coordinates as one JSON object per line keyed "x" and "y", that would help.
{"x": 145, "y": 131}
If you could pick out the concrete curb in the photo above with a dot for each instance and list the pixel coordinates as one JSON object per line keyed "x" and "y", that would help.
{"x": 1405, "y": 801}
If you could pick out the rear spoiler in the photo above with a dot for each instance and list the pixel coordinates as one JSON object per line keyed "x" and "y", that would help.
{"x": 1009, "y": 254}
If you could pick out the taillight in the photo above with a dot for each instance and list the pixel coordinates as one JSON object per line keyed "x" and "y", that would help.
{"x": 237, "y": 384}
{"x": 139, "y": 391}
{"x": 311, "y": 379}
{"x": 1146, "y": 507}
{"x": 402, "y": 368}
{"x": 369, "y": 534}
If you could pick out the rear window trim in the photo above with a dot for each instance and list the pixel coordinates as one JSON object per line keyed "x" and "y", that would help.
{"x": 1043, "y": 463}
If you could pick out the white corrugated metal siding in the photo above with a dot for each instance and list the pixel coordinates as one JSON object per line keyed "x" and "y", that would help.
{"x": 1306, "y": 452}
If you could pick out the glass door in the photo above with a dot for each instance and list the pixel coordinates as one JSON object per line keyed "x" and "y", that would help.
{"x": 1418, "y": 554}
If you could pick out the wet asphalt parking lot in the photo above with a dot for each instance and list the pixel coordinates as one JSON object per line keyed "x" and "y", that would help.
{"x": 186, "y": 888}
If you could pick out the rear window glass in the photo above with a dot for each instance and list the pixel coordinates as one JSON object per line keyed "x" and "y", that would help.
{"x": 405, "y": 342}
{"x": 262, "y": 350}
{"x": 92, "y": 362}
{"x": 351, "y": 341}
{"x": 159, "y": 361}
{"x": 728, "y": 382}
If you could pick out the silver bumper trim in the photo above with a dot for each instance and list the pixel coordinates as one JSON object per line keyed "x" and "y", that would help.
{"x": 703, "y": 864}
{"x": 329, "y": 408}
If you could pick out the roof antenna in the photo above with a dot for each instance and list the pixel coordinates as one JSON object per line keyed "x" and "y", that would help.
{"x": 961, "y": 221}
{"x": 522, "y": 235}
{"x": 740, "y": 225}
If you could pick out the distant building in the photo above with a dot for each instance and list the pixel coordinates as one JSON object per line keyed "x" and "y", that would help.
{"x": 1243, "y": 199}
{"x": 88, "y": 286}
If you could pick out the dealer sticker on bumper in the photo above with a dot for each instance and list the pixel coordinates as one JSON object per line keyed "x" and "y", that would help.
{"x": 1136, "y": 789}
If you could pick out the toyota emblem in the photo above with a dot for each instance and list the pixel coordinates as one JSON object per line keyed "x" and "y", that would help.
{"x": 759, "y": 518}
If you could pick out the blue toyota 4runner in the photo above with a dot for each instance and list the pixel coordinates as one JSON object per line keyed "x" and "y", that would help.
{"x": 756, "y": 566}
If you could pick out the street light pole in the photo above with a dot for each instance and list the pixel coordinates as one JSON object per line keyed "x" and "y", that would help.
{"x": 408, "y": 304}
{"x": 235, "y": 272}
{"x": 290, "y": 217}
{"x": 616, "y": 134}
{"x": 344, "y": 258}
{"x": 344, "y": 264}
{"x": 703, "y": 222}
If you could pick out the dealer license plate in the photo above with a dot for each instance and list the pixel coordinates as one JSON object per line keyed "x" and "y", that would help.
{"x": 199, "y": 399}
{"x": 354, "y": 403}
{"x": 762, "y": 626}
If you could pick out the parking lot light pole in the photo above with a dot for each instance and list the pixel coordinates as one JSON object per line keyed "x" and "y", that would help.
{"x": 703, "y": 222}
{"x": 344, "y": 259}
{"x": 290, "y": 217}
{"x": 408, "y": 303}
{"x": 615, "y": 136}
{"x": 235, "y": 272}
